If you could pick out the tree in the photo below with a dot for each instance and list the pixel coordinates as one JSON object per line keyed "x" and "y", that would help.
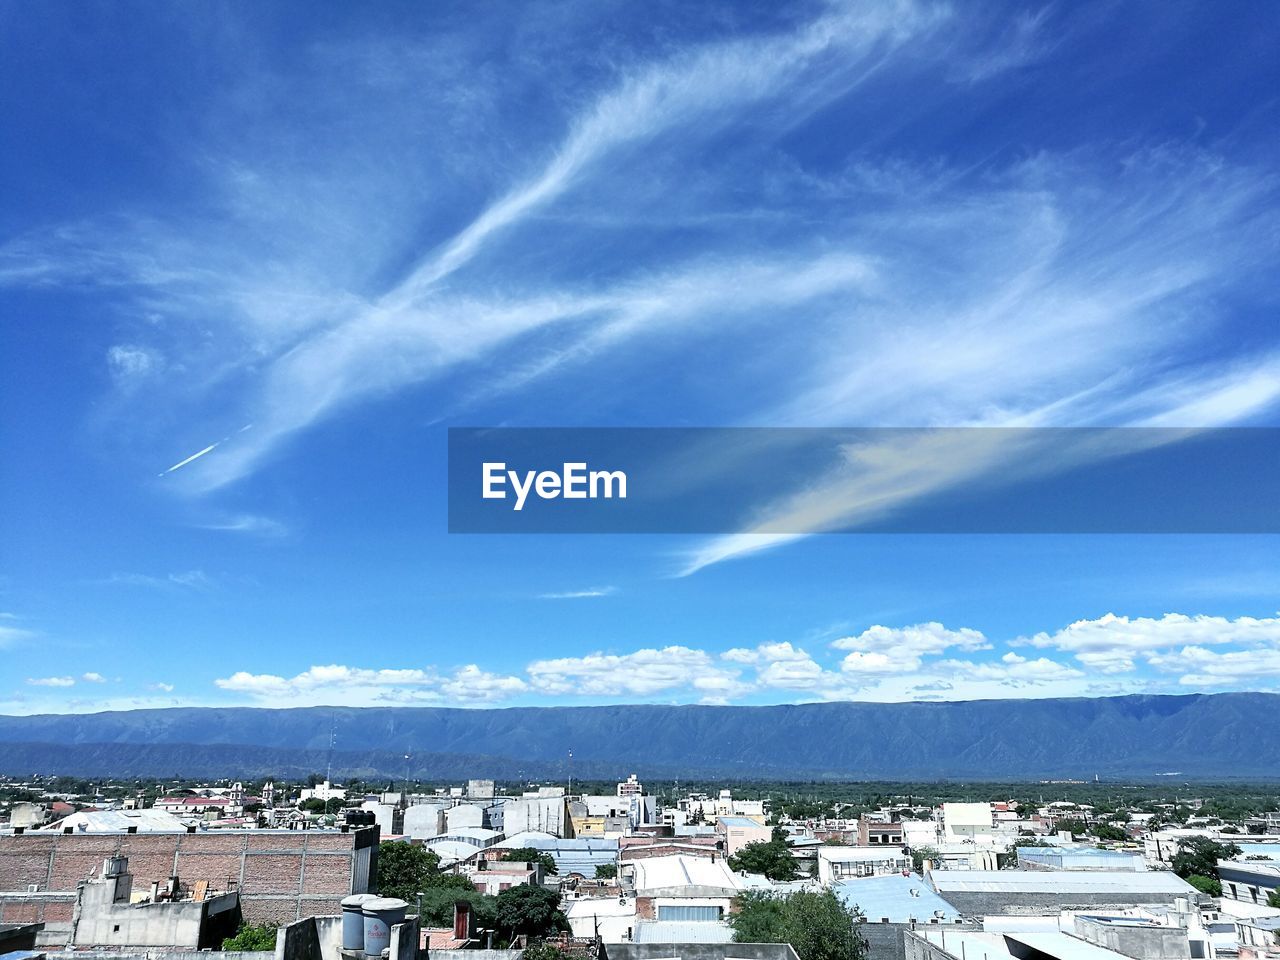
{"x": 919, "y": 855}
{"x": 1108, "y": 831}
{"x": 312, "y": 805}
{"x": 529, "y": 910}
{"x": 1072, "y": 825}
{"x": 1273, "y": 900}
{"x": 772, "y": 858}
{"x": 1199, "y": 856}
{"x": 252, "y": 937}
{"x": 543, "y": 951}
{"x": 438, "y": 903}
{"x": 1209, "y": 885}
{"x": 818, "y": 925}
{"x": 606, "y": 871}
{"x": 405, "y": 868}
{"x": 533, "y": 855}
{"x": 1012, "y": 857}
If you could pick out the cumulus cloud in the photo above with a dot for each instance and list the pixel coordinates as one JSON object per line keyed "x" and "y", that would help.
{"x": 921, "y": 661}
{"x": 51, "y": 681}
{"x": 1118, "y": 645}
{"x": 642, "y": 673}
{"x": 92, "y": 677}
{"x": 880, "y": 649}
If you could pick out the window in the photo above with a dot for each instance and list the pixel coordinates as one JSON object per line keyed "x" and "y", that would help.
{"x": 689, "y": 913}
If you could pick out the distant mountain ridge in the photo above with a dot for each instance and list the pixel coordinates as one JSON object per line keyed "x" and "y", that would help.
{"x": 1197, "y": 735}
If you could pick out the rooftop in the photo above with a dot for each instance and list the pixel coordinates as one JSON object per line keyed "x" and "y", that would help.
{"x": 1037, "y": 881}
{"x": 895, "y": 897}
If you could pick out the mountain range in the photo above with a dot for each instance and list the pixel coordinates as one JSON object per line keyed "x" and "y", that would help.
{"x": 1193, "y": 736}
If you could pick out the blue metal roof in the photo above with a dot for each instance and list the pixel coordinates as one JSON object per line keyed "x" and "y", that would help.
{"x": 894, "y": 896}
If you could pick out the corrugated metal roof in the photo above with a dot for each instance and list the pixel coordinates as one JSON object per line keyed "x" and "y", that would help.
{"x": 118, "y": 821}
{"x": 682, "y": 931}
{"x": 894, "y": 896}
{"x": 1048, "y": 881}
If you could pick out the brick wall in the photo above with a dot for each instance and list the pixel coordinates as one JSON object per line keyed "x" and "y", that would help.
{"x": 282, "y": 875}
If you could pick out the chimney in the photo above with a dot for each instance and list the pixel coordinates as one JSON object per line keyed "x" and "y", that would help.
{"x": 463, "y": 920}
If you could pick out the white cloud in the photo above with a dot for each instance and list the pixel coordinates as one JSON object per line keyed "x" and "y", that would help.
{"x": 161, "y": 687}
{"x": 51, "y": 681}
{"x": 247, "y": 523}
{"x": 92, "y": 677}
{"x": 1013, "y": 669}
{"x": 580, "y": 594}
{"x": 11, "y": 635}
{"x": 189, "y": 579}
{"x": 889, "y": 650}
{"x": 1117, "y": 645}
{"x": 471, "y": 684}
{"x": 642, "y": 673}
{"x": 130, "y": 365}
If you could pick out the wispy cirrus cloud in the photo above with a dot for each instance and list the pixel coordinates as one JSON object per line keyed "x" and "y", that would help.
{"x": 587, "y": 594}
{"x": 888, "y": 285}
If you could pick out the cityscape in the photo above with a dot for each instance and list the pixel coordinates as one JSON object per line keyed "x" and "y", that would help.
{"x": 632, "y": 869}
{"x": 639, "y": 480}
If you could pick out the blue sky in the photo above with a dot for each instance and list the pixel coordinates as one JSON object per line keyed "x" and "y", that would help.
{"x": 287, "y": 247}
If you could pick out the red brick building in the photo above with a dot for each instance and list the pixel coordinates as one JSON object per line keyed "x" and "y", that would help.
{"x": 282, "y": 875}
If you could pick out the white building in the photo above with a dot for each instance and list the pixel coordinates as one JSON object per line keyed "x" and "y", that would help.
{"x": 325, "y": 791}
{"x": 968, "y": 821}
{"x": 844, "y": 863}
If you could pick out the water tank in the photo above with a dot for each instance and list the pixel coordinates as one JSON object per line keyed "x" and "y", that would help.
{"x": 353, "y": 920}
{"x": 380, "y": 915}
{"x": 115, "y": 866}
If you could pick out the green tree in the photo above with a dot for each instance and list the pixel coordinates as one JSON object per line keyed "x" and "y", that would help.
{"x": 1209, "y": 885}
{"x": 257, "y": 936}
{"x": 533, "y": 855}
{"x": 1273, "y": 900}
{"x": 1199, "y": 856}
{"x": 438, "y": 903}
{"x": 1108, "y": 831}
{"x": 528, "y": 910}
{"x": 543, "y": 951}
{"x": 312, "y": 805}
{"x": 1011, "y": 858}
{"x": 818, "y": 925}
{"x": 1072, "y": 825}
{"x": 406, "y": 868}
{"x": 606, "y": 871}
{"x": 919, "y": 855}
{"x": 772, "y": 858}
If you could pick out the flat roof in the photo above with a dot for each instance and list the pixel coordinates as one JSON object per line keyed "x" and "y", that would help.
{"x": 1047, "y": 881}
{"x": 894, "y": 896}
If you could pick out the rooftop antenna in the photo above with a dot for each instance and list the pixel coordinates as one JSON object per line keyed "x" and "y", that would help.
{"x": 571, "y": 773}
{"x": 333, "y": 736}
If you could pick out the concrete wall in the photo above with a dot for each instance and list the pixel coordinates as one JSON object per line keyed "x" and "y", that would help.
{"x": 1006, "y": 903}
{"x": 698, "y": 951}
{"x": 423, "y": 821}
{"x": 1144, "y": 942}
{"x": 282, "y": 875}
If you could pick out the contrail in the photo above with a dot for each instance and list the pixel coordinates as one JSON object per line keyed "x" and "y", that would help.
{"x": 194, "y": 456}
{"x": 197, "y": 456}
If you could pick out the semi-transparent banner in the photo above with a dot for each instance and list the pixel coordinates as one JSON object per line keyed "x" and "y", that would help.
{"x": 874, "y": 480}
